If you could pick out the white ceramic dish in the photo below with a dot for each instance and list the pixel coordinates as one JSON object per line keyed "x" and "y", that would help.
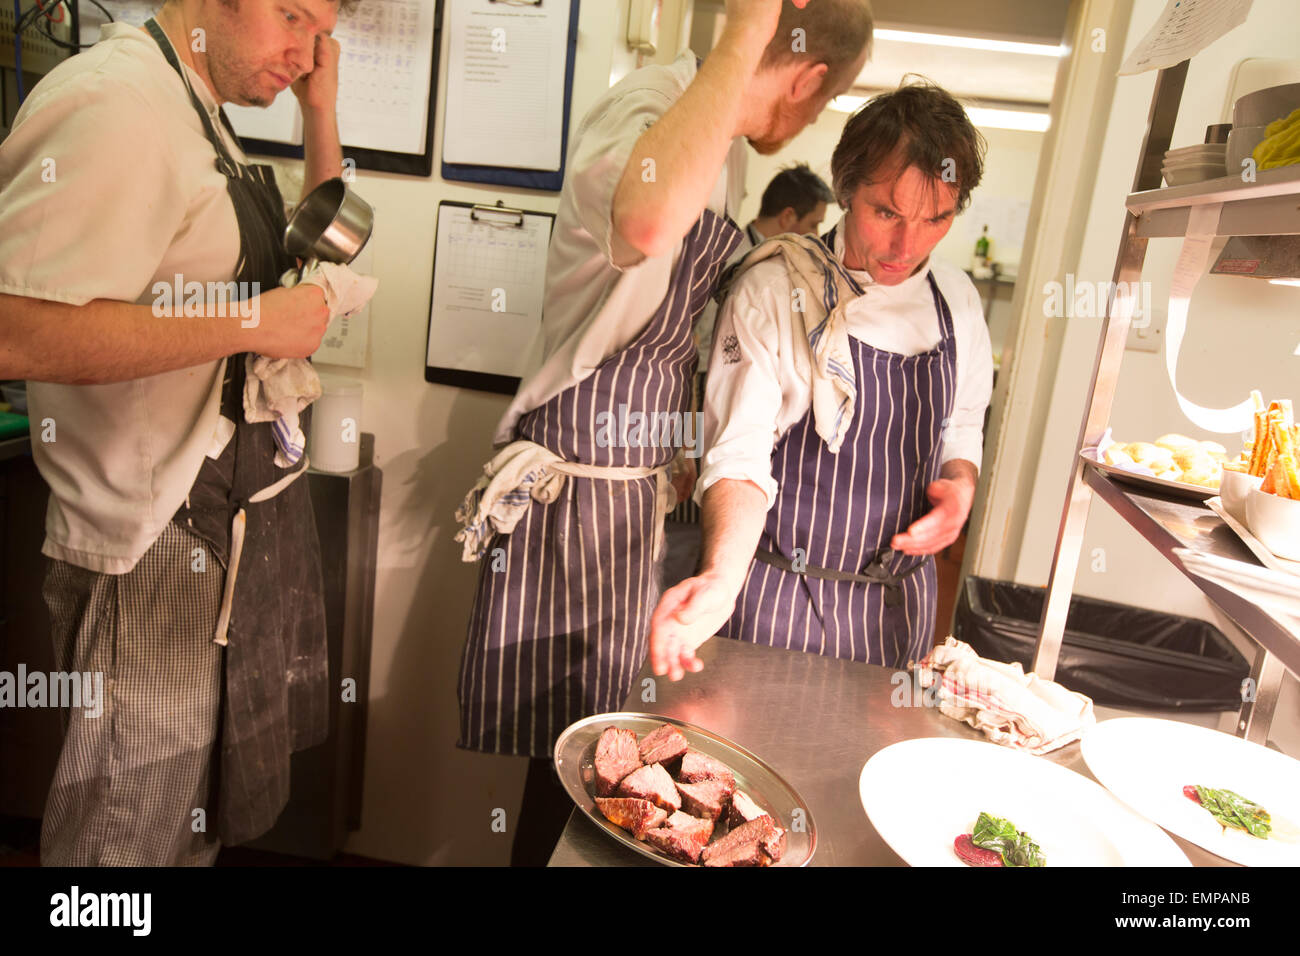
{"x": 1275, "y": 521}
{"x": 1147, "y": 762}
{"x": 1233, "y": 486}
{"x": 922, "y": 794}
{"x": 1263, "y": 106}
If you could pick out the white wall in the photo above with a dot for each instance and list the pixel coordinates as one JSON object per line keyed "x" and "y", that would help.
{"x": 425, "y": 801}
{"x": 1241, "y": 335}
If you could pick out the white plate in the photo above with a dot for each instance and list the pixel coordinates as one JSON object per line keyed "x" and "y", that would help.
{"x": 1147, "y": 762}
{"x": 922, "y": 794}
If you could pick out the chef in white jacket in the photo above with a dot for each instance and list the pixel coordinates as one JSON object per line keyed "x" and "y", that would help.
{"x": 844, "y": 413}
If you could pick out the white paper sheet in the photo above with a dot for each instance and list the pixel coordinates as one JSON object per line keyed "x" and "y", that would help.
{"x": 488, "y": 285}
{"x": 1184, "y": 29}
{"x": 505, "y": 84}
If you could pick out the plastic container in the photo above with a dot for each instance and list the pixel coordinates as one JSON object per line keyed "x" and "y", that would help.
{"x": 335, "y": 443}
{"x": 1120, "y": 656}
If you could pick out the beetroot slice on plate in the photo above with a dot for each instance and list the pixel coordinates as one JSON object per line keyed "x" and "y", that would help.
{"x": 973, "y": 855}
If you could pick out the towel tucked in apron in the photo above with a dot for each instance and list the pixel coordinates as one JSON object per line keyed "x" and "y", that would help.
{"x": 560, "y": 623}
{"x": 825, "y": 579}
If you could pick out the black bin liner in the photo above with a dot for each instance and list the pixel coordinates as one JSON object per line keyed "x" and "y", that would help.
{"x": 1118, "y": 655}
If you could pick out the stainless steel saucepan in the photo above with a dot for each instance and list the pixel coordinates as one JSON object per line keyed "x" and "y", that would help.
{"x": 331, "y": 224}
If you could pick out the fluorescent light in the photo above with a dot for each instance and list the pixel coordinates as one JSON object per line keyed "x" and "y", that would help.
{"x": 979, "y": 115}
{"x": 847, "y": 104}
{"x": 1008, "y": 119}
{"x": 970, "y": 43}
{"x": 1295, "y": 282}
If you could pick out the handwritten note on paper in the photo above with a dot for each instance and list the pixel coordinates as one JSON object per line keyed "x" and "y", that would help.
{"x": 1184, "y": 29}
{"x": 505, "y": 92}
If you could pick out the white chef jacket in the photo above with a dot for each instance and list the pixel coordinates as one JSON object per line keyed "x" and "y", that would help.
{"x": 751, "y": 403}
{"x": 135, "y": 198}
{"x": 601, "y": 293}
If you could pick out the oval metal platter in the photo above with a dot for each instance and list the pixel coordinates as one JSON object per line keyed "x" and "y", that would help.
{"x": 575, "y": 752}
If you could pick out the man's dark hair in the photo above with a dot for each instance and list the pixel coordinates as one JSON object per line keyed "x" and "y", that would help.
{"x": 833, "y": 32}
{"x": 927, "y": 128}
{"x": 796, "y": 187}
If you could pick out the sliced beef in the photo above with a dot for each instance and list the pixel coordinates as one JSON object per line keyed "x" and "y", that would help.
{"x": 759, "y": 842}
{"x": 697, "y": 766}
{"x": 654, "y": 784}
{"x": 637, "y": 816}
{"x": 743, "y": 809}
{"x": 676, "y": 843}
{"x": 698, "y": 828}
{"x": 616, "y": 757}
{"x": 663, "y": 744}
{"x": 683, "y": 837}
{"x": 708, "y": 798}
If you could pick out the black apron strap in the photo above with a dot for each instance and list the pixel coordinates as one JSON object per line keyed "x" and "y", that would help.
{"x": 873, "y": 573}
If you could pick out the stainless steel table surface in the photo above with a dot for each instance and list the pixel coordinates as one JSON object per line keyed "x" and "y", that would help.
{"x": 816, "y": 720}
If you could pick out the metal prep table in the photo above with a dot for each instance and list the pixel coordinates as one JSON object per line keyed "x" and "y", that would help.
{"x": 816, "y": 720}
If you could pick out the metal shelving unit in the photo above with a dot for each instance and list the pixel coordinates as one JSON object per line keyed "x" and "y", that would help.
{"x": 1268, "y": 206}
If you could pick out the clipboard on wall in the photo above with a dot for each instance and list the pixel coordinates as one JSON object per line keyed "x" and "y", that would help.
{"x": 481, "y": 73}
{"x": 485, "y": 302}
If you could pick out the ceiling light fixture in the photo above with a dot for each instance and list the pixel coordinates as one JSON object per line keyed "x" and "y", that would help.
{"x": 970, "y": 43}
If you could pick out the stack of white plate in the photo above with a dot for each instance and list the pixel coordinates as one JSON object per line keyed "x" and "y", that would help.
{"x": 1192, "y": 164}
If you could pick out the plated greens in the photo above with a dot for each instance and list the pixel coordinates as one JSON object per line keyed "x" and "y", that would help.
{"x": 997, "y": 842}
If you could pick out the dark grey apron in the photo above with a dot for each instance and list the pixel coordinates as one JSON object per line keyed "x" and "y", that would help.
{"x": 274, "y": 699}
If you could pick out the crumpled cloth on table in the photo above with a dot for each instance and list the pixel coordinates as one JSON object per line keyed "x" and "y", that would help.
{"x": 1003, "y": 702}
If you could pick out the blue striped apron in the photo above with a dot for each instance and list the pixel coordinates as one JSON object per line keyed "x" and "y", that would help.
{"x": 560, "y": 623}
{"x": 841, "y": 510}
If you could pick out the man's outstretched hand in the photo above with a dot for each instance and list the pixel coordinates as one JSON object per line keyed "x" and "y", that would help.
{"x": 951, "y": 496}
{"x": 688, "y": 615}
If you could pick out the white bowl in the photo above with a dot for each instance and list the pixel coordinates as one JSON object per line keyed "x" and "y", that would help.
{"x": 1233, "y": 488}
{"x": 1206, "y": 152}
{"x": 1263, "y": 106}
{"x": 1242, "y": 141}
{"x": 1275, "y": 521}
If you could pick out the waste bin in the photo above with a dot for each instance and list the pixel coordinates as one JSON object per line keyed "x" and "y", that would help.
{"x": 1120, "y": 656}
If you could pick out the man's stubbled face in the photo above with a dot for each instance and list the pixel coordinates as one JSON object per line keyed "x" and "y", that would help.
{"x": 257, "y": 48}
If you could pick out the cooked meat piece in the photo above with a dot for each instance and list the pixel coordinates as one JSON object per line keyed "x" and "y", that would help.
{"x": 697, "y": 828}
{"x": 638, "y": 816}
{"x": 759, "y": 842}
{"x": 743, "y": 809}
{"x": 663, "y": 744}
{"x": 682, "y": 837}
{"x": 697, "y": 766}
{"x": 678, "y": 844}
{"x": 708, "y": 798}
{"x": 652, "y": 783}
{"x": 616, "y": 757}
{"x": 973, "y": 855}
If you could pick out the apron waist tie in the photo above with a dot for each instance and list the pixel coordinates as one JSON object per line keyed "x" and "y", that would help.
{"x": 874, "y": 573}
{"x": 664, "y": 501}
{"x": 237, "y": 527}
{"x": 525, "y": 471}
